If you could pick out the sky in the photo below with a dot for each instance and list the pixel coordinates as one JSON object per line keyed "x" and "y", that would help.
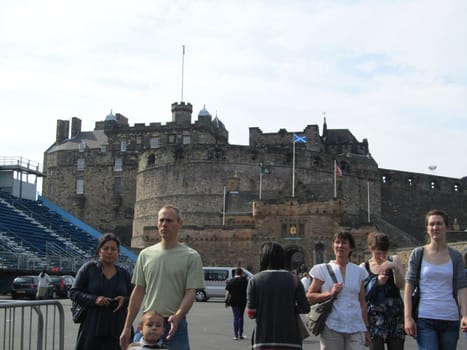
{"x": 393, "y": 72}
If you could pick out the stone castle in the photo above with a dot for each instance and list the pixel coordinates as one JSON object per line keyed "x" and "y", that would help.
{"x": 234, "y": 197}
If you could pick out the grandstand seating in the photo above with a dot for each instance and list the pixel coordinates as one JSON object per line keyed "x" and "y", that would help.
{"x": 33, "y": 237}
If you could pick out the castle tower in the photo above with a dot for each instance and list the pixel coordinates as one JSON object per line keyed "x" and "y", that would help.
{"x": 181, "y": 112}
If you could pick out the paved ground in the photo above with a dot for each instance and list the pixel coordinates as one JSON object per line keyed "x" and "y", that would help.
{"x": 210, "y": 328}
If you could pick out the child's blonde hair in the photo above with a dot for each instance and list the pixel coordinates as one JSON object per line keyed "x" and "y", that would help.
{"x": 148, "y": 314}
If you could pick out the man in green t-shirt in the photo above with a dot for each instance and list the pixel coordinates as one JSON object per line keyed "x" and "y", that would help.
{"x": 166, "y": 277}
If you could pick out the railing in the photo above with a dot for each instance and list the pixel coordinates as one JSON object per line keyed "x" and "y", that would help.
{"x": 20, "y": 162}
{"x": 32, "y": 325}
{"x": 30, "y": 262}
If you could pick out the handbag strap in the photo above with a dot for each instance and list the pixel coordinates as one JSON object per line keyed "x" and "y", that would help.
{"x": 419, "y": 267}
{"x": 331, "y": 272}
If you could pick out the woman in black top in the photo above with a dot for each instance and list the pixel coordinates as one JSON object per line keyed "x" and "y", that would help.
{"x": 236, "y": 295}
{"x": 104, "y": 289}
{"x": 274, "y": 297}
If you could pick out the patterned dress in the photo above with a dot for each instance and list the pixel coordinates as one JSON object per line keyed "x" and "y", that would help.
{"x": 385, "y": 307}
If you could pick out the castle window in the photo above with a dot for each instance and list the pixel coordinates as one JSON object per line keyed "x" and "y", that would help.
{"x": 82, "y": 146}
{"x": 172, "y": 138}
{"x": 123, "y": 146}
{"x": 103, "y": 148}
{"x": 186, "y": 139}
{"x": 155, "y": 142}
{"x": 79, "y": 186}
{"x": 456, "y": 188}
{"x": 118, "y": 166}
{"x": 118, "y": 185}
{"x": 151, "y": 160}
{"x": 411, "y": 181}
{"x": 434, "y": 185}
{"x": 81, "y": 164}
{"x": 139, "y": 140}
{"x": 385, "y": 179}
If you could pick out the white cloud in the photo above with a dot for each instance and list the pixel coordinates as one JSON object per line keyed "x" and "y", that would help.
{"x": 390, "y": 71}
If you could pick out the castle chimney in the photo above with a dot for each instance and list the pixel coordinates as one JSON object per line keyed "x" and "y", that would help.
{"x": 63, "y": 128}
{"x": 181, "y": 112}
{"x": 75, "y": 126}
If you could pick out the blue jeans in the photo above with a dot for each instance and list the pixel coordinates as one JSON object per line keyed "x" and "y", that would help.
{"x": 437, "y": 334}
{"x": 238, "y": 312}
{"x": 180, "y": 340}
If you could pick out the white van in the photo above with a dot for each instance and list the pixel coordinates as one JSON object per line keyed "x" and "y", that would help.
{"x": 215, "y": 279}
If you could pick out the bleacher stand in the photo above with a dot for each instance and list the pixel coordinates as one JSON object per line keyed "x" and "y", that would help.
{"x": 34, "y": 235}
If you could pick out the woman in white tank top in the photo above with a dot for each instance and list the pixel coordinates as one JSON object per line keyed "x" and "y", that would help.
{"x": 443, "y": 289}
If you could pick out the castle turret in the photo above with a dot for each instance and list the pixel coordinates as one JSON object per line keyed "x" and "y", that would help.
{"x": 325, "y": 128}
{"x": 181, "y": 112}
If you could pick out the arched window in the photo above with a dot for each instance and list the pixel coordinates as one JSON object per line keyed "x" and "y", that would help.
{"x": 151, "y": 160}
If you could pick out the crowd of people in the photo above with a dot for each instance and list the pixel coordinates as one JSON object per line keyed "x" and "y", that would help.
{"x": 368, "y": 309}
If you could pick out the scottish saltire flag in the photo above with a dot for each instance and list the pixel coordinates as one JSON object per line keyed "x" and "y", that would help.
{"x": 263, "y": 169}
{"x": 299, "y": 139}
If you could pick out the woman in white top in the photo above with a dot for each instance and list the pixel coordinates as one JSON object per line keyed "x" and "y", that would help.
{"x": 347, "y": 324}
{"x": 443, "y": 289}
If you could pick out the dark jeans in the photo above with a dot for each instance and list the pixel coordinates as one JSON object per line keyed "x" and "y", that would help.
{"x": 437, "y": 334}
{"x": 180, "y": 340}
{"x": 238, "y": 312}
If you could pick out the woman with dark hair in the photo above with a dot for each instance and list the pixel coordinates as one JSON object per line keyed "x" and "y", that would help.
{"x": 383, "y": 296}
{"x": 438, "y": 270}
{"x": 275, "y": 296}
{"x": 104, "y": 289}
{"x": 347, "y": 324}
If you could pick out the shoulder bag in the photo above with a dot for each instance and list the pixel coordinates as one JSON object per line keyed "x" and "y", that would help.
{"x": 416, "y": 289}
{"x": 78, "y": 311}
{"x": 301, "y": 326}
{"x": 319, "y": 312}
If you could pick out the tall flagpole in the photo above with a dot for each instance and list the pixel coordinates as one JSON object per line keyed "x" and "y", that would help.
{"x": 368, "y": 200}
{"x": 335, "y": 179}
{"x": 260, "y": 181}
{"x": 183, "y": 68}
{"x": 223, "y": 209}
{"x": 293, "y": 168}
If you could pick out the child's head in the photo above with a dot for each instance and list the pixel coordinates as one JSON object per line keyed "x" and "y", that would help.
{"x": 152, "y": 326}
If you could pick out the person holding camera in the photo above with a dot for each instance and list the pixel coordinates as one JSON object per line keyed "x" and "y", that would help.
{"x": 382, "y": 293}
{"x": 104, "y": 289}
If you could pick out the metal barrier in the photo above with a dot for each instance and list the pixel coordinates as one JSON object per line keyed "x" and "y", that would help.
{"x": 32, "y": 325}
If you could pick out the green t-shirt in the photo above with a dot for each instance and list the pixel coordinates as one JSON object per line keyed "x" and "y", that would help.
{"x": 166, "y": 274}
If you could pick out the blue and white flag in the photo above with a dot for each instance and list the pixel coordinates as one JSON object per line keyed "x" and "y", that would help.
{"x": 299, "y": 139}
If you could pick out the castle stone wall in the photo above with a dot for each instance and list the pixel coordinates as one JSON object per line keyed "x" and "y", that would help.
{"x": 407, "y": 197}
